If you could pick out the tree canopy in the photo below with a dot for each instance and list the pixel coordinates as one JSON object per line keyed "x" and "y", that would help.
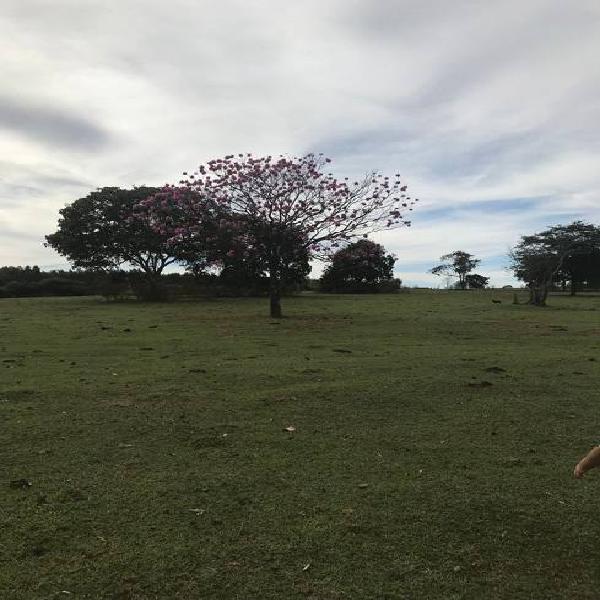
{"x": 97, "y": 232}
{"x": 457, "y": 264}
{"x": 476, "y": 282}
{"x": 249, "y": 270}
{"x": 362, "y": 266}
{"x": 102, "y": 231}
{"x": 538, "y": 259}
{"x": 580, "y": 269}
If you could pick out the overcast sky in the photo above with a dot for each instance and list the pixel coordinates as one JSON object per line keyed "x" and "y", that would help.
{"x": 489, "y": 110}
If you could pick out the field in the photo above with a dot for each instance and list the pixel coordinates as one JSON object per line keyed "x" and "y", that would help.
{"x": 145, "y": 453}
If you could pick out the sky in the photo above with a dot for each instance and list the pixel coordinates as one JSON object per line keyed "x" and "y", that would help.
{"x": 489, "y": 110}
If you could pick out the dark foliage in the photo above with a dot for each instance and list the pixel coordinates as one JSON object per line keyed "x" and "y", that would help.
{"x": 249, "y": 273}
{"x": 100, "y": 232}
{"x": 22, "y": 282}
{"x": 475, "y": 281}
{"x": 580, "y": 271}
{"x": 541, "y": 258}
{"x": 361, "y": 267}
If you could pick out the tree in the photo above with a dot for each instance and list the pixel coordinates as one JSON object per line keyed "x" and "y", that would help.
{"x": 362, "y": 266}
{"x": 226, "y": 238}
{"x": 456, "y": 264}
{"x": 281, "y": 208}
{"x": 476, "y": 282}
{"x": 538, "y": 259}
{"x": 98, "y": 232}
{"x": 581, "y": 269}
{"x": 248, "y": 271}
{"x": 22, "y": 274}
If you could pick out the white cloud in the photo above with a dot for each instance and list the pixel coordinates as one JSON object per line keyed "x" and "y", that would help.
{"x": 483, "y": 103}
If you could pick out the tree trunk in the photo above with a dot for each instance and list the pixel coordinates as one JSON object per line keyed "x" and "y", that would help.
{"x": 275, "y": 284}
{"x": 538, "y": 294}
{"x": 275, "y": 295}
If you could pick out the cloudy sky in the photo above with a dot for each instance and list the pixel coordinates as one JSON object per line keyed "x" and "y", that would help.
{"x": 490, "y": 110}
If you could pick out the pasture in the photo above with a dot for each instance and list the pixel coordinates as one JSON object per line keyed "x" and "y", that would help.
{"x": 145, "y": 453}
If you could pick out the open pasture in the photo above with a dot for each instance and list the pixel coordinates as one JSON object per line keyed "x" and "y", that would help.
{"x": 145, "y": 453}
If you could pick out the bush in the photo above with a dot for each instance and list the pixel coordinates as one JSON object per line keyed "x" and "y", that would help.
{"x": 389, "y": 286}
{"x": 19, "y": 289}
{"x": 62, "y": 287}
{"x": 115, "y": 286}
{"x": 361, "y": 268}
{"x": 146, "y": 289}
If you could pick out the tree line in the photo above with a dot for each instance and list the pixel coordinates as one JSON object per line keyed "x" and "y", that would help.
{"x": 360, "y": 267}
{"x": 253, "y": 219}
{"x": 252, "y": 225}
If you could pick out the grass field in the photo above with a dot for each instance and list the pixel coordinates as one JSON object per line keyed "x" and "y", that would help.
{"x": 435, "y": 436}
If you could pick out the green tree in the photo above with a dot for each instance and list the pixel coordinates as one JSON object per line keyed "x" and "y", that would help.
{"x": 99, "y": 232}
{"x": 363, "y": 266}
{"x": 456, "y": 264}
{"x": 581, "y": 270}
{"x": 539, "y": 258}
{"x": 476, "y": 281}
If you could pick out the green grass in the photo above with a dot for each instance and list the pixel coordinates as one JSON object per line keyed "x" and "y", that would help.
{"x": 153, "y": 437}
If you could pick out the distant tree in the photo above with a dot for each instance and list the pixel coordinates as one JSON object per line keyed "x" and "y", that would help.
{"x": 21, "y": 274}
{"x": 456, "y": 264}
{"x": 363, "y": 266}
{"x": 31, "y": 281}
{"x": 277, "y": 198}
{"x": 476, "y": 282}
{"x": 538, "y": 259}
{"x": 98, "y": 232}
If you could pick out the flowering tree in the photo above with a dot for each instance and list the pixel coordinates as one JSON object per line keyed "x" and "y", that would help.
{"x": 281, "y": 207}
{"x": 187, "y": 220}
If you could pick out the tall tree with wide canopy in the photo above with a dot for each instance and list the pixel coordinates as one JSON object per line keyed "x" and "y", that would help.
{"x": 457, "y": 264}
{"x": 286, "y": 206}
{"x": 537, "y": 259}
{"x": 98, "y": 232}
